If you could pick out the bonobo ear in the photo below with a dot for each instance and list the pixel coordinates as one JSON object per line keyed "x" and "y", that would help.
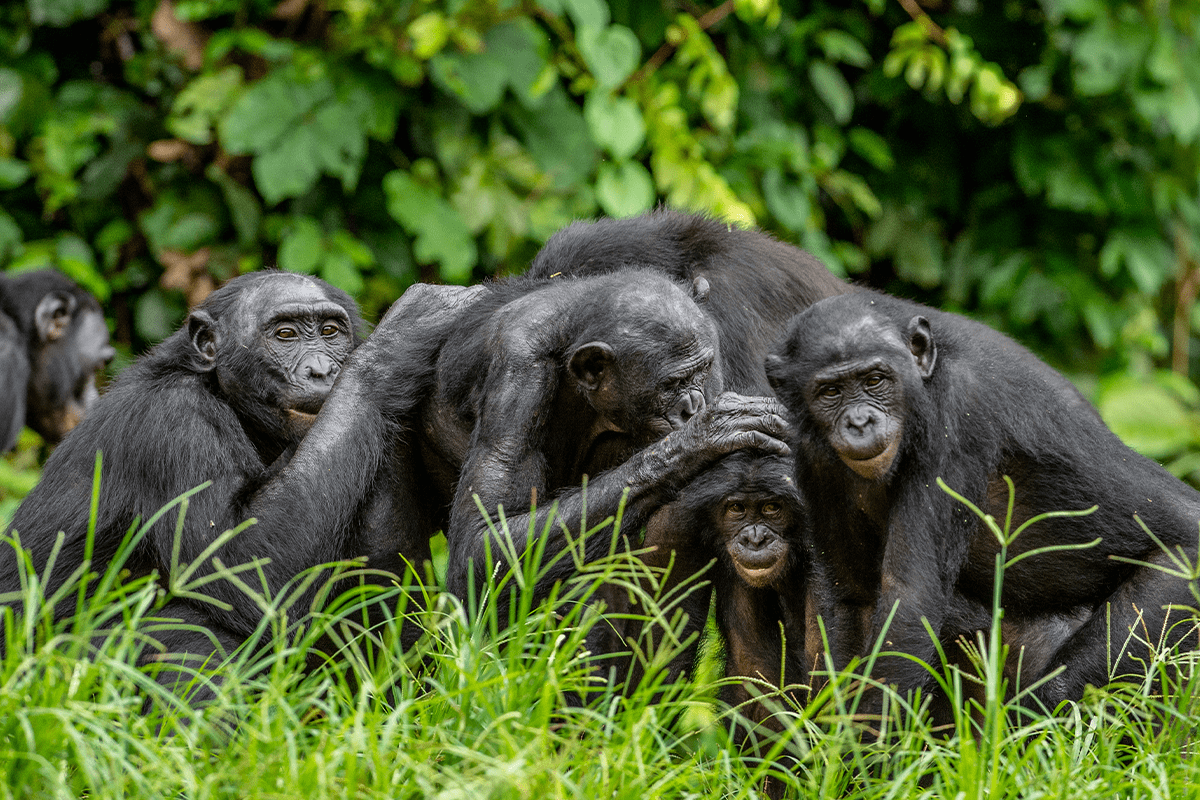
{"x": 773, "y": 364}
{"x": 920, "y": 342}
{"x": 588, "y": 363}
{"x": 700, "y": 289}
{"x": 52, "y": 316}
{"x": 202, "y": 330}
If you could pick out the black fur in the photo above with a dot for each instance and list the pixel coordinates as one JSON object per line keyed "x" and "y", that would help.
{"x": 207, "y": 404}
{"x": 756, "y": 282}
{"x": 53, "y": 341}
{"x": 972, "y": 406}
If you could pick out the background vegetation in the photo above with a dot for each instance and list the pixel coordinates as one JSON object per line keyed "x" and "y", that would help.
{"x": 1032, "y": 163}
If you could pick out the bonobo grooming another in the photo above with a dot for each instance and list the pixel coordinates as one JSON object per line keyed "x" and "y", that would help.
{"x": 225, "y": 399}
{"x": 53, "y": 341}
{"x": 886, "y": 397}
{"x": 757, "y": 282}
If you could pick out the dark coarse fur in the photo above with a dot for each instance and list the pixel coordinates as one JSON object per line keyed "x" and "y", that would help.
{"x": 757, "y": 282}
{"x": 165, "y": 427}
{"x": 14, "y": 378}
{"x": 752, "y": 620}
{"x": 482, "y": 393}
{"x": 52, "y": 342}
{"x": 987, "y": 409}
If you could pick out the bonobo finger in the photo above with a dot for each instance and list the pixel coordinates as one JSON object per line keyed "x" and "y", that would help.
{"x": 757, "y": 440}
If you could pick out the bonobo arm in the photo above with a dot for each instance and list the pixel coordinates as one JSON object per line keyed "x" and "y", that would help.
{"x": 304, "y": 514}
{"x": 505, "y": 466}
{"x": 923, "y": 555}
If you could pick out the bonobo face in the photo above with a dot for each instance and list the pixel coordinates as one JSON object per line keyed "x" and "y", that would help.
{"x": 656, "y": 366}
{"x": 274, "y": 342}
{"x": 304, "y": 339}
{"x": 846, "y": 373}
{"x": 62, "y": 386}
{"x": 752, "y": 527}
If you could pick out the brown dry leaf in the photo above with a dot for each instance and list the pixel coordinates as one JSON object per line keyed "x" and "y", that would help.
{"x": 289, "y": 9}
{"x": 181, "y": 268}
{"x": 166, "y": 150}
{"x": 186, "y": 38}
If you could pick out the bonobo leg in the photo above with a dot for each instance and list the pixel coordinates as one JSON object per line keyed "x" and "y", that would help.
{"x": 1147, "y": 613}
{"x": 187, "y": 642}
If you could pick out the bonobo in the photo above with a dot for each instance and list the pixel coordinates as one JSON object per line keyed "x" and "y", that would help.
{"x": 53, "y": 341}
{"x": 887, "y": 396}
{"x": 225, "y": 399}
{"x": 744, "y": 512}
{"x": 757, "y": 282}
{"x": 512, "y": 393}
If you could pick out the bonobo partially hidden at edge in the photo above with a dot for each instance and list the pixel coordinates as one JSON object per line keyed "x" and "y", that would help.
{"x": 53, "y": 341}
{"x": 886, "y": 397}
{"x": 225, "y": 399}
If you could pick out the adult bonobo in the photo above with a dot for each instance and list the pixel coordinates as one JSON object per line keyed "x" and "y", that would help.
{"x": 614, "y": 376}
{"x": 53, "y": 341}
{"x": 886, "y": 397}
{"x": 225, "y": 399}
{"x": 757, "y": 282}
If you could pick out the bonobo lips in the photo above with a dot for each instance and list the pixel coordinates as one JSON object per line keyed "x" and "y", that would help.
{"x": 309, "y": 403}
{"x": 875, "y": 461}
{"x": 863, "y": 449}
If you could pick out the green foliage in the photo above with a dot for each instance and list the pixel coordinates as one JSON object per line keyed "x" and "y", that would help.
{"x": 1032, "y": 163}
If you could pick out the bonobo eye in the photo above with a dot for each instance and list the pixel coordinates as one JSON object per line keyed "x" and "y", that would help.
{"x": 771, "y": 509}
{"x": 874, "y": 380}
{"x": 829, "y": 391}
{"x": 735, "y": 508}
{"x": 286, "y": 333}
{"x": 329, "y": 329}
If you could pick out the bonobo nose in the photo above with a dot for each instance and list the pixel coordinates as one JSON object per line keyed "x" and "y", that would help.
{"x": 689, "y": 405}
{"x": 319, "y": 367}
{"x": 859, "y": 419}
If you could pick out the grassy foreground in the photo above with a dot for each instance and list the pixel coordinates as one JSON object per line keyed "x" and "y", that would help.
{"x": 479, "y": 709}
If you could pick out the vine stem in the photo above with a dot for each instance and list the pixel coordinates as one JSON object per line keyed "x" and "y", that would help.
{"x": 932, "y": 29}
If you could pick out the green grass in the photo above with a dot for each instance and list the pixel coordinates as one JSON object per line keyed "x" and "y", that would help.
{"x": 478, "y": 710}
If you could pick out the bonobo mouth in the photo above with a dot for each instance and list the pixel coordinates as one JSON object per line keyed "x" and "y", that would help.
{"x": 874, "y": 462}
{"x": 308, "y": 404}
{"x": 758, "y": 566}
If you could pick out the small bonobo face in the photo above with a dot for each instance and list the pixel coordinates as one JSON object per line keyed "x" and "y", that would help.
{"x": 752, "y": 527}
{"x": 62, "y": 386}
{"x": 858, "y": 405}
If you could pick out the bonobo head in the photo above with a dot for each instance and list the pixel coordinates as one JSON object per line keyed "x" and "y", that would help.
{"x": 274, "y": 342}
{"x": 646, "y": 356}
{"x": 755, "y": 512}
{"x": 847, "y": 370}
{"x": 67, "y": 344}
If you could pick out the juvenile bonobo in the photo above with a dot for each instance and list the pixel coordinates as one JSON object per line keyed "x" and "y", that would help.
{"x": 53, "y": 341}
{"x": 739, "y": 518}
{"x": 225, "y": 399}
{"x": 887, "y": 396}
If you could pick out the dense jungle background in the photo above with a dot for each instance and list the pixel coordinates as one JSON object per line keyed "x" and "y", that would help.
{"x": 1034, "y": 164}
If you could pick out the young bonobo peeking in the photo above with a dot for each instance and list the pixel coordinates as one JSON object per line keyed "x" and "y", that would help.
{"x": 225, "y": 399}
{"x": 53, "y": 341}
{"x": 886, "y": 397}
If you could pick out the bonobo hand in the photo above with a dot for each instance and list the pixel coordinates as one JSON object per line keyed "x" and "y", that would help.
{"x": 733, "y": 422}
{"x": 423, "y": 304}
